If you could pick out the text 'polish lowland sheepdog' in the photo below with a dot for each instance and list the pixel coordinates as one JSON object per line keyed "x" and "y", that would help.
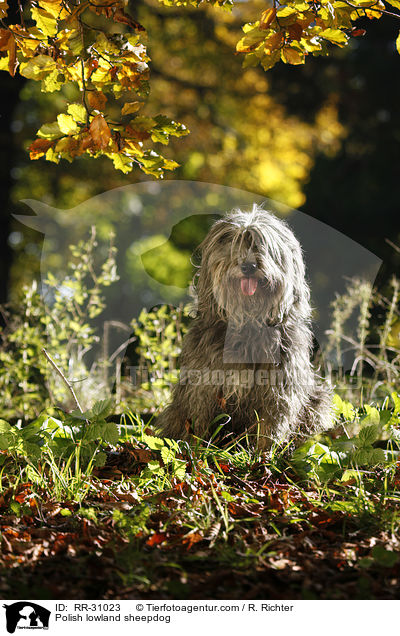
{"x": 247, "y": 352}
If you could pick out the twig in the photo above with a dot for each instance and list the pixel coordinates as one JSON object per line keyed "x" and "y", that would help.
{"x": 373, "y": 8}
{"x": 84, "y": 89}
{"x": 64, "y": 379}
{"x": 21, "y": 14}
{"x": 395, "y": 247}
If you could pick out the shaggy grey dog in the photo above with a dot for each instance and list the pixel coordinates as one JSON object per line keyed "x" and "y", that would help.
{"x": 247, "y": 353}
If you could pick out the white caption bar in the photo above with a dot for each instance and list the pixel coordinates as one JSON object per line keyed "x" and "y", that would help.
{"x": 153, "y": 618}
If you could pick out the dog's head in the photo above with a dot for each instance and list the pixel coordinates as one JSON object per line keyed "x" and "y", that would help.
{"x": 252, "y": 269}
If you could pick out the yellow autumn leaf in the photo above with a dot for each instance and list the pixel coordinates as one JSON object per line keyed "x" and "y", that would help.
{"x": 376, "y": 11}
{"x": 268, "y": 61}
{"x": 130, "y": 107}
{"x": 334, "y": 35}
{"x": 250, "y": 41}
{"x": 77, "y": 112}
{"x": 55, "y": 8}
{"x": 27, "y": 39}
{"x": 292, "y": 56}
{"x": 398, "y": 43}
{"x": 44, "y": 21}
{"x": 286, "y": 12}
{"x": 38, "y": 67}
{"x": 67, "y": 124}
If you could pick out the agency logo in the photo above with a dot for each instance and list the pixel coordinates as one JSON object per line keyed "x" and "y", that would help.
{"x": 26, "y": 615}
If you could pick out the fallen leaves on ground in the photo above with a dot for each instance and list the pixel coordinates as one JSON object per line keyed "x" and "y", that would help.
{"x": 223, "y": 533}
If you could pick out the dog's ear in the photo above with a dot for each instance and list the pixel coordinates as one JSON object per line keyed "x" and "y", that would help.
{"x": 202, "y": 287}
{"x": 295, "y": 290}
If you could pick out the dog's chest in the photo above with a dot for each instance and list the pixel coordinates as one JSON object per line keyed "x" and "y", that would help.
{"x": 251, "y": 344}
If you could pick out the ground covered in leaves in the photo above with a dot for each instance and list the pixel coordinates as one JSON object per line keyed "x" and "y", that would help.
{"x": 167, "y": 522}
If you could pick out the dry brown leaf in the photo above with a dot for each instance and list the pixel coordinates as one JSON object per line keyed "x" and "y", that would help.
{"x": 100, "y": 132}
{"x": 96, "y": 100}
{"x": 267, "y": 17}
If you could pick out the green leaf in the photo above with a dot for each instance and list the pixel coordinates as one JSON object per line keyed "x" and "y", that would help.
{"x": 167, "y": 455}
{"x": 362, "y": 457}
{"x": 5, "y": 427}
{"x": 155, "y": 468}
{"x": 386, "y": 558}
{"x": 94, "y": 431}
{"x": 342, "y": 407}
{"x": 350, "y": 474}
{"x": 102, "y": 408}
{"x": 385, "y": 416}
{"x": 15, "y": 507}
{"x": 49, "y": 131}
{"x": 334, "y": 35}
{"x": 378, "y": 456}
{"x": 365, "y": 562}
{"x": 179, "y": 468}
{"x": 372, "y": 416}
{"x": 100, "y": 459}
{"x": 6, "y": 441}
{"x": 110, "y": 433}
{"x": 155, "y": 443}
{"x": 348, "y": 411}
{"x": 65, "y": 512}
{"x": 395, "y": 396}
{"x": 32, "y": 451}
{"x": 369, "y": 434}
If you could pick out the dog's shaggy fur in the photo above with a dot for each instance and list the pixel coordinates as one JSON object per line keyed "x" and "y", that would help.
{"x": 247, "y": 353}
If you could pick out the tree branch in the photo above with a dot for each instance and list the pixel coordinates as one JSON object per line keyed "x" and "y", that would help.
{"x": 64, "y": 379}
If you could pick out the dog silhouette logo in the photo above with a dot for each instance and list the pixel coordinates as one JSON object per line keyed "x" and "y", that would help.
{"x": 26, "y": 615}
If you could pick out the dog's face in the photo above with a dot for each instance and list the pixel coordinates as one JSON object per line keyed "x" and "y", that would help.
{"x": 251, "y": 268}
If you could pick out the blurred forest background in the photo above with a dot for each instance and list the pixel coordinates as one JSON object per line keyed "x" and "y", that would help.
{"x": 323, "y": 137}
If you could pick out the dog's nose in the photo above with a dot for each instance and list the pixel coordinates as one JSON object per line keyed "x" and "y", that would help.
{"x": 248, "y": 268}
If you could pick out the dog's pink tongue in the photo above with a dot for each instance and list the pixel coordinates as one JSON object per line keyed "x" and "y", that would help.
{"x": 248, "y": 285}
